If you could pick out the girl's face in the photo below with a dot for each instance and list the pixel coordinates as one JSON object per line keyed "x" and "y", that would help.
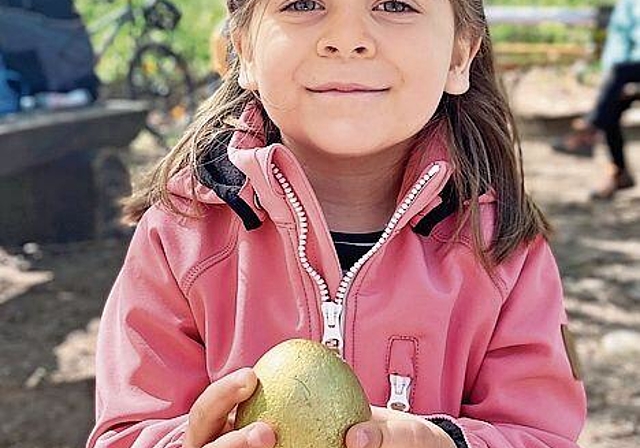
{"x": 352, "y": 77}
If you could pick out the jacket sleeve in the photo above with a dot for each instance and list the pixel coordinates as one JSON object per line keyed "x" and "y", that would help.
{"x": 618, "y": 44}
{"x": 150, "y": 363}
{"x": 527, "y": 393}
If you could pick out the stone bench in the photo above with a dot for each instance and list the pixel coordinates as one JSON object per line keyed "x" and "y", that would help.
{"x": 61, "y": 172}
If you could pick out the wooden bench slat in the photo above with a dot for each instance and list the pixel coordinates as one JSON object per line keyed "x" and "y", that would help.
{"x": 522, "y": 54}
{"x": 535, "y": 15}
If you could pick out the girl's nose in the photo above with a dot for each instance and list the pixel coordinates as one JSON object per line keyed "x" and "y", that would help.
{"x": 347, "y": 37}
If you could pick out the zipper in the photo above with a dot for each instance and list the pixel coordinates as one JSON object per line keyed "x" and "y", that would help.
{"x": 399, "y": 393}
{"x": 332, "y": 331}
{"x": 402, "y": 371}
{"x": 333, "y": 310}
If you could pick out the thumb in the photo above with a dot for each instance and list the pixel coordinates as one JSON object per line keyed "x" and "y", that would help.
{"x": 364, "y": 435}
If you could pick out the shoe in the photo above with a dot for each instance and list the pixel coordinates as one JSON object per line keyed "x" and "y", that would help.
{"x": 619, "y": 180}
{"x": 578, "y": 149}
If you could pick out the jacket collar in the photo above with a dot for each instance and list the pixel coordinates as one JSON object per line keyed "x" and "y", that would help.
{"x": 236, "y": 156}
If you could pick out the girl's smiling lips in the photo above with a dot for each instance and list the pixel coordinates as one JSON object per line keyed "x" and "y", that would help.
{"x": 346, "y": 88}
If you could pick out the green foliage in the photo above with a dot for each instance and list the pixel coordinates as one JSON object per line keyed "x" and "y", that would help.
{"x": 190, "y": 39}
{"x": 547, "y": 33}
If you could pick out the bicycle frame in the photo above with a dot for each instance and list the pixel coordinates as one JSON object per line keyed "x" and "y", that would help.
{"x": 116, "y": 20}
{"x": 170, "y": 91}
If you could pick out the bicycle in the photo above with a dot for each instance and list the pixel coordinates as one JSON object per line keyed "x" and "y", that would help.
{"x": 156, "y": 73}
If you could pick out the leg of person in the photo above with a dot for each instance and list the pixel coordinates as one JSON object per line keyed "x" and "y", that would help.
{"x": 611, "y": 94}
{"x": 581, "y": 141}
{"x": 619, "y": 177}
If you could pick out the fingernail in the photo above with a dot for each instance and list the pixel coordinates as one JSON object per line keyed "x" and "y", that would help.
{"x": 362, "y": 438}
{"x": 259, "y": 437}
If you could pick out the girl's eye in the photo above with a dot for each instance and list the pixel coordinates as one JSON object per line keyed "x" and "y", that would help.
{"x": 394, "y": 6}
{"x": 302, "y": 5}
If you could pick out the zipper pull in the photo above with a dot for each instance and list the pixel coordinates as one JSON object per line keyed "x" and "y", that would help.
{"x": 399, "y": 399}
{"x": 332, "y": 334}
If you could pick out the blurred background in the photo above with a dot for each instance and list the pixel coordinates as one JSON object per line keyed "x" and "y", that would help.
{"x": 68, "y": 155}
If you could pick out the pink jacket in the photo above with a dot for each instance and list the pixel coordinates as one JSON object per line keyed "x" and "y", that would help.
{"x": 425, "y": 328}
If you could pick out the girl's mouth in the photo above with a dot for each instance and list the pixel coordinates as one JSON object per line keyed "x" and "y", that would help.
{"x": 346, "y": 88}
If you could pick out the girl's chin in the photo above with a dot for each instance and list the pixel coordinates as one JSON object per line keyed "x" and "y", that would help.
{"x": 347, "y": 150}
{"x": 350, "y": 142}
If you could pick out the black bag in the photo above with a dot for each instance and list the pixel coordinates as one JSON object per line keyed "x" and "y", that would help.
{"x": 56, "y": 9}
{"x": 47, "y": 43}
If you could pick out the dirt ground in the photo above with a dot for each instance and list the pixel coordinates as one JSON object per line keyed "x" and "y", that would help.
{"x": 51, "y": 297}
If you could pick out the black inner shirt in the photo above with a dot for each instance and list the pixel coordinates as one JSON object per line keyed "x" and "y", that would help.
{"x": 352, "y": 246}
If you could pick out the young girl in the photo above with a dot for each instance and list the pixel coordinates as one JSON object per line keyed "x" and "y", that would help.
{"x": 355, "y": 181}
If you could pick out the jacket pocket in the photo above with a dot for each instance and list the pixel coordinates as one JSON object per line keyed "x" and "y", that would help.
{"x": 402, "y": 372}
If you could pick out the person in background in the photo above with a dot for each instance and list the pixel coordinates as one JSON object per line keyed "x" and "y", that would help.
{"x": 621, "y": 67}
{"x": 46, "y": 43}
{"x": 354, "y": 180}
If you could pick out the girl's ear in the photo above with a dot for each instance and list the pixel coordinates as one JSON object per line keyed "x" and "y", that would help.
{"x": 246, "y": 78}
{"x": 465, "y": 49}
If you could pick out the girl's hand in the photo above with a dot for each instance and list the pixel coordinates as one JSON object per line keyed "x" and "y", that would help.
{"x": 212, "y": 416}
{"x": 393, "y": 429}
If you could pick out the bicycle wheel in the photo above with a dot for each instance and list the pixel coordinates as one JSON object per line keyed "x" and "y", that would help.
{"x": 160, "y": 76}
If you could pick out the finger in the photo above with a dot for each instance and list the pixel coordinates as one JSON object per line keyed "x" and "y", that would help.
{"x": 209, "y": 414}
{"x": 255, "y": 435}
{"x": 228, "y": 425}
{"x": 411, "y": 432}
{"x": 384, "y": 414}
{"x": 365, "y": 435}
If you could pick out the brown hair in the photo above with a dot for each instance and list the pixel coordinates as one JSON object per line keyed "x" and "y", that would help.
{"x": 484, "y": 147}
